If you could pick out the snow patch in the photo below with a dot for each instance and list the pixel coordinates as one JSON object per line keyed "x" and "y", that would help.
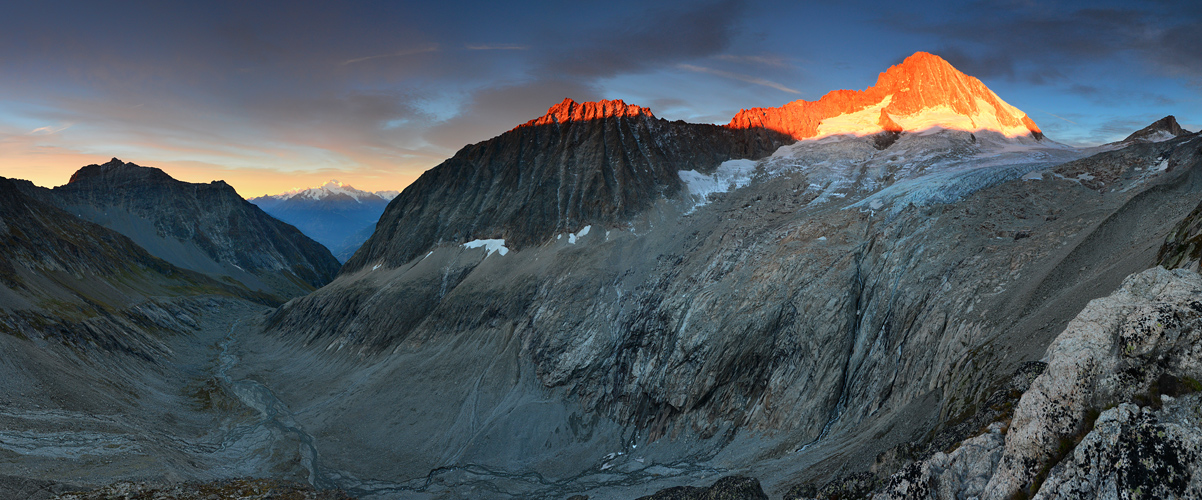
{"x": 579, "y": 234}
{"x": 730, "y": 175}
{"x": 495, "y": 245}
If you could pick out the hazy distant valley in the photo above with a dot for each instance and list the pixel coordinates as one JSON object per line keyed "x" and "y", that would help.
{"x": 902, "y": 292}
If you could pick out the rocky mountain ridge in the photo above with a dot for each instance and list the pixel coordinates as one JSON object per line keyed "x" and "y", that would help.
{"x": 579, "y": 164}
{"x": 207, "y": 228}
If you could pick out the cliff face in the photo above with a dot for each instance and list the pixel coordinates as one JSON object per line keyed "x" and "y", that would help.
{"x": 592, "y": 163}
{"x": 203, "y": 227}
{"x": 922, "y": 92}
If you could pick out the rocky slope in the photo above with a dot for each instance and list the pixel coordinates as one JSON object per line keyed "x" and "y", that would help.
{"x": 109, "y": 360}
{"x": 922, "y": 92}
{"x": 65, "y": 278}
{"x": 334, "y": 214}
{"x": 802, "y": 313}
{"x": 203, "y": 227}
{"x": 580, "y": 164}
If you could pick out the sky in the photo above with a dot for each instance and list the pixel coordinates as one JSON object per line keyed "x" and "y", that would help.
{"x": 271, "y": 96}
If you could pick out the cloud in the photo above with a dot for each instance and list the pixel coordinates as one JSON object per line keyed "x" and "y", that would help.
{"x": 1057, "y": 116}
{"x": 737, "y": 76}
{"x": 500, "y": 46}
{"x": 490, "y": 111}
{"x": 773, "y": 61}
{"x": 1035, "y": 44}
{"x": 433, "y": 47}
{"x": 636, "y": 44}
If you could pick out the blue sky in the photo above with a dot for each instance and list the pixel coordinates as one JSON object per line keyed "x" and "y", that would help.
{"x": 275, "y": 95}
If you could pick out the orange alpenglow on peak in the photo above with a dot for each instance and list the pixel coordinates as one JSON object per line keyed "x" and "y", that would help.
{"x": 571, "y": 111}
{"x": 921, "y": 93}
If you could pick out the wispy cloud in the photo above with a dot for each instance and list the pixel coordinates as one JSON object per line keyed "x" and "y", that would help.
{"x": 433, "y": 47}
{"x": 1058, "y": 116}
{"x": 737, "y": 76}
{"x": 496, "y": 46}
{"x": 764, "y": 60}
{"x": 50, "y": 130}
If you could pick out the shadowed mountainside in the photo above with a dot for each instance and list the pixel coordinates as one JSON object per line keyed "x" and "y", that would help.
{"x": 207, "y": 228}
{"x": 590, "y": 163}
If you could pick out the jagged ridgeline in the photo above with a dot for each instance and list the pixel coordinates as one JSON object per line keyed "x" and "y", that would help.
{"x": 592, "y": 163}
{"x": 206, "y": 228}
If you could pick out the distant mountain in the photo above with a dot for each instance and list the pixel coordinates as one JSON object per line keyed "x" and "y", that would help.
{"x": 921, "y": 93}
{"x": 79, "y": 282}
{"x": 203, "y": 227}
{"x": 1161, "y": 130}
{"x": 334, "y": 214}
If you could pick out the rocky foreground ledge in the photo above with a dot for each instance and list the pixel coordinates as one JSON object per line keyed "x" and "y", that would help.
{"x": 1115, "y": 415}
{"x": 233, "y": 489}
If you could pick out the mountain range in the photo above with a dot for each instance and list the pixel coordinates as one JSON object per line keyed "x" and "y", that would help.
{"x": 334, "y": 214}
{"x": 902, "y": 292}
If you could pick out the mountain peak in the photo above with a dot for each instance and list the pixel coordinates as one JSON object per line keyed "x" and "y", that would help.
{"x": 333, "y": 187}
{"x": 922, "y": 92}
{"x": 570, "y": 111}
{"x": 117, "y": 170}
{"x": 1161, "y": 130}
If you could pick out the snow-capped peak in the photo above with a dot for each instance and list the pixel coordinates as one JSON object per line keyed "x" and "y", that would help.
{"x": 924, "y": 92}
{"x": 333, "y": 187}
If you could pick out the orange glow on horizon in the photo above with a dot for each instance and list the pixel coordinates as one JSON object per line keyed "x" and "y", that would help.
{"x": 48, "y": 170}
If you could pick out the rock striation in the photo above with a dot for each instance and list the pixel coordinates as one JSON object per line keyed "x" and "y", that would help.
{"x": 207, "y": 228}
{"x": 922, "y": 92}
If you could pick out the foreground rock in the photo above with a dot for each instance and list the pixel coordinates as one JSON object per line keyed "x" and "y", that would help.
{"x": 1143, "y": 344}
{"x": 727, "y": 488}
{"x": 235, "y": 489}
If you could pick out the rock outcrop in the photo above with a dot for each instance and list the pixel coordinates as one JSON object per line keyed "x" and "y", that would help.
{"x": 1161, "y": 130}
{"x": 1067, "y": 438}
{"x": 597, "y": 163}
{"x": 207, "y": 228}
{"x": 922, "y": 92}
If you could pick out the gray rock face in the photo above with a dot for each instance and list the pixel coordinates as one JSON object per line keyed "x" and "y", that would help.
{"x": 592, "y": 163}
{"x": 962, "y": 473}
{"x": 203, "y": 227}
